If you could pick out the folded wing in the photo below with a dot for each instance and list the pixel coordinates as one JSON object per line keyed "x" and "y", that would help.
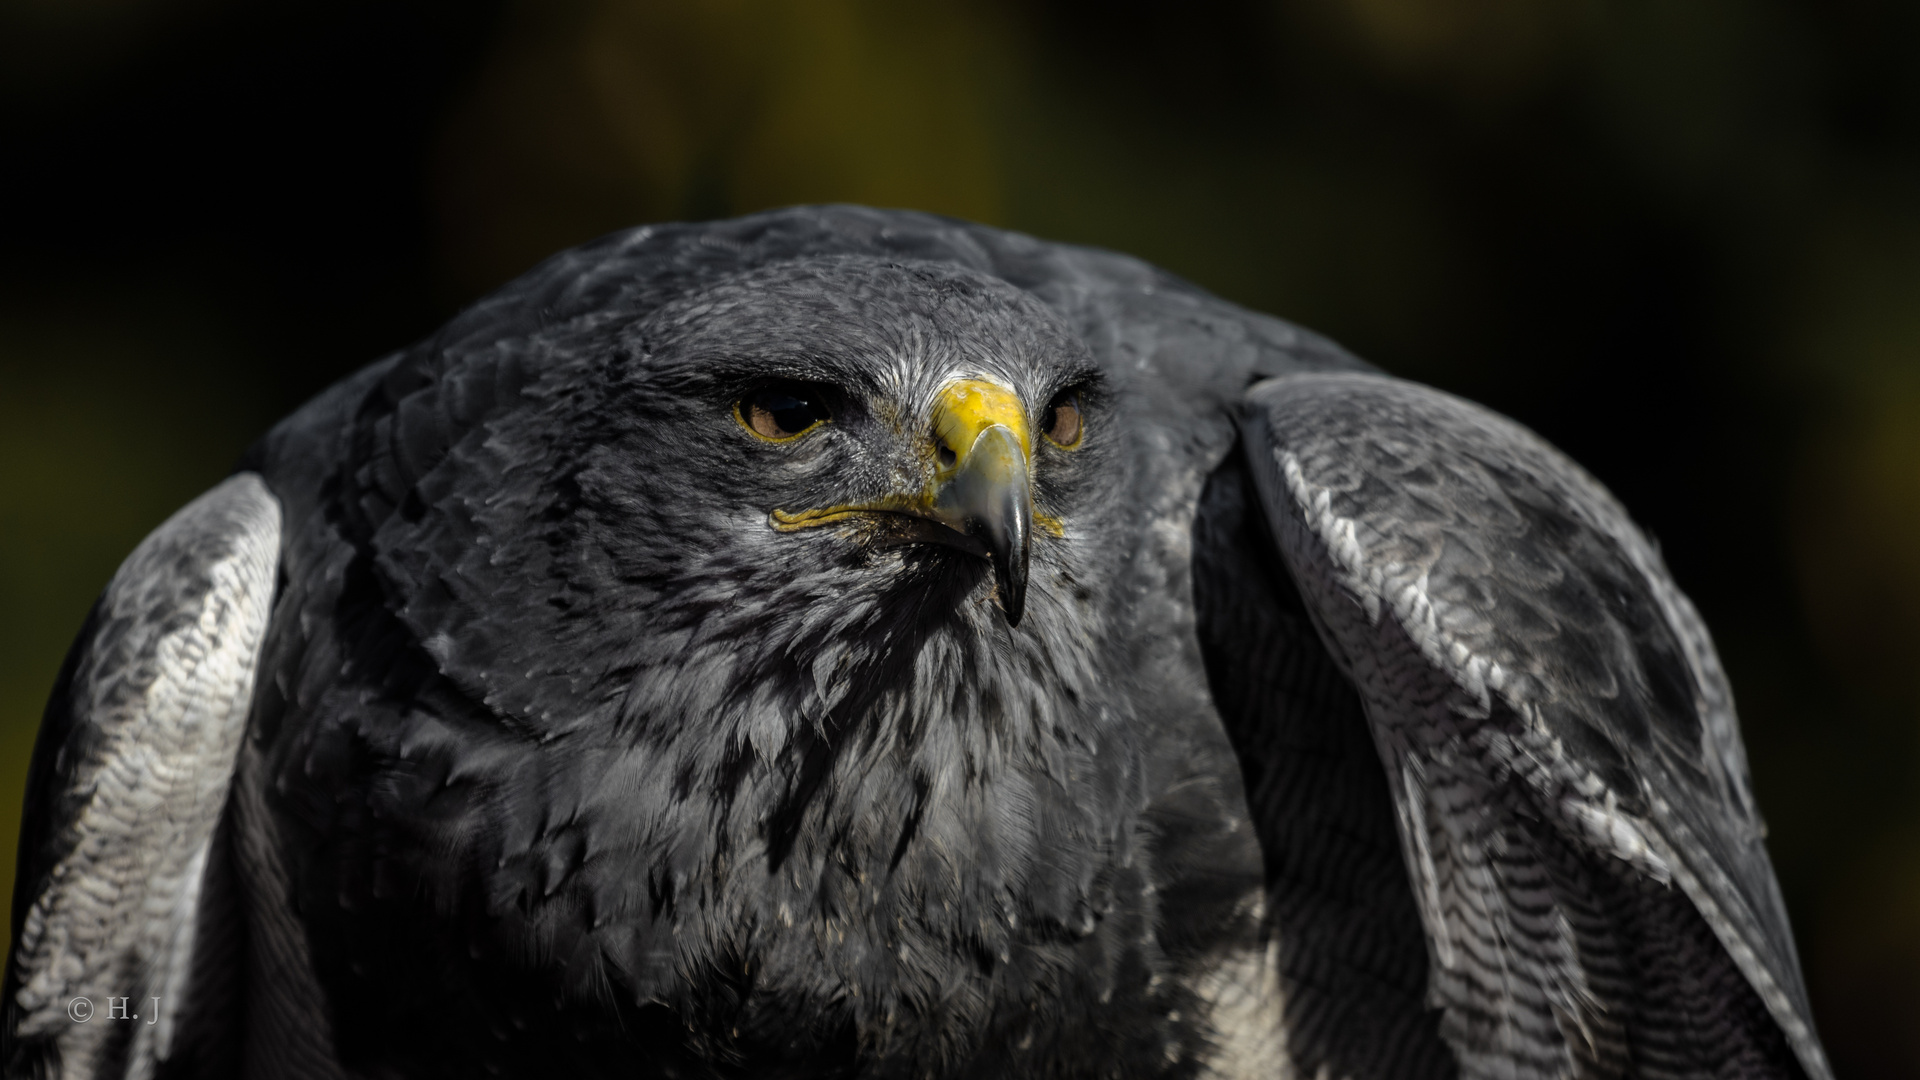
{"x": 1572, "y": 796}
{"x": 127, "y": 784}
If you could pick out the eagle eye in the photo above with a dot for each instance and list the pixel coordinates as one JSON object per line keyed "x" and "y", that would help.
{"x": 783, "y": 410}
{"x": 1062, "y": 423}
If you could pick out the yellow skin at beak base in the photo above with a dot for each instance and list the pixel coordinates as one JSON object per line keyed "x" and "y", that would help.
{"x": 967, "y": 407}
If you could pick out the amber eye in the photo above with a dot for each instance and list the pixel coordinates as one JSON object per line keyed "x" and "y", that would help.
{"x": 1062, "y": 423}
{"x": 783, "y": 410}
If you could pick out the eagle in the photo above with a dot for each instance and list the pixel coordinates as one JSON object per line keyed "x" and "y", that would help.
{"x": 851, "y": 643}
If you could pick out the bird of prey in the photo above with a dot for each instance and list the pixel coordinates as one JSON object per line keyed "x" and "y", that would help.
{"x": 846, "y": 643}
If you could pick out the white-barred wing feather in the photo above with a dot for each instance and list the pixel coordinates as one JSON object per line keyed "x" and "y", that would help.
{"x": 1559, "y": 739}
{"x": 127, "y": 786}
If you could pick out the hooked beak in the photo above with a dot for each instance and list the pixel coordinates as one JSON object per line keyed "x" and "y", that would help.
{"x": 984, "y": 488}
{"x": 981, "y": 495}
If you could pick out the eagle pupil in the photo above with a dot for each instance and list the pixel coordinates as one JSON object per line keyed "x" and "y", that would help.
{"x": 791, "y": 413}
{"x": 781, "y": 412}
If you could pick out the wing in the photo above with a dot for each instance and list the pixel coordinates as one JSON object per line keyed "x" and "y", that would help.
{"x": 127, "y": 784}
{"x": 1572, "y": 799}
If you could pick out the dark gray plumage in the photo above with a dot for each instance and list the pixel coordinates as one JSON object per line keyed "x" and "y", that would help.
{"x": 850, "y": 643}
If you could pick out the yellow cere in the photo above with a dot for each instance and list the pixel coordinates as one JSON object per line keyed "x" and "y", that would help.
{"x": 966, "y": 407}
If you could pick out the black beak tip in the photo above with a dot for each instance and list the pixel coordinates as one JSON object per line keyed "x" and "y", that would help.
{"x": 1010, "y": 578}
{"x": 1013, "y": 602}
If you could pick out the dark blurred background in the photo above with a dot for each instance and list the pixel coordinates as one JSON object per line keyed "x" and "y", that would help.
{"x": 1682, "y": 240}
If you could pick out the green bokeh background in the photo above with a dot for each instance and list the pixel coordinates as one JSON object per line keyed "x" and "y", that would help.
{"x": 1681, "y": 239}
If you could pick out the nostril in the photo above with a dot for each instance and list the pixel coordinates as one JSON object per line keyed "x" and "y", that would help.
{"x": 947, "y": 456}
